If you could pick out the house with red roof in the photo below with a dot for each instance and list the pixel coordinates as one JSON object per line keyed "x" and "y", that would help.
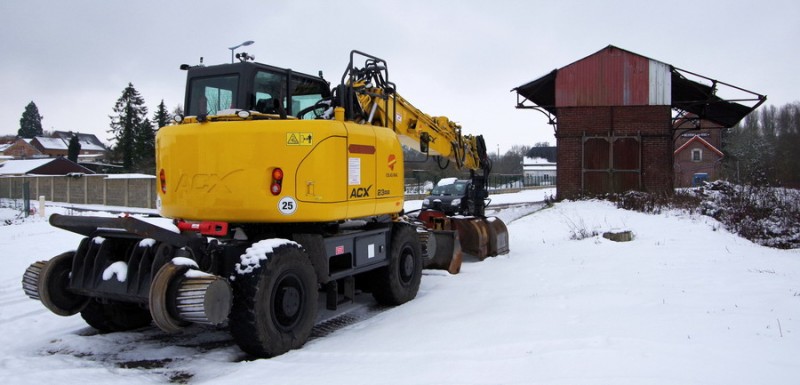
{"x": 43, "y": 166}
{"x": 58, "y": 145}
{"x": 19, "y": 148}
{"x": 698, "y": 155}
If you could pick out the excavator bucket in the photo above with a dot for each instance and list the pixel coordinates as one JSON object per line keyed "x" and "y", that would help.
{"x": 450, "y": 237}
{"x": 444, "y": 250}
{"x": 482, "y": 236}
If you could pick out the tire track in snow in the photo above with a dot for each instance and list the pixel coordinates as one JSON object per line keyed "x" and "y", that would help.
{"x": 17, "y": 317}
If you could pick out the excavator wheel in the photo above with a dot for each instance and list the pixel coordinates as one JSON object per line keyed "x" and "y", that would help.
{"x": 398, "y": 282}
{"x": 275, "y": 306}
{"x": 115, "y": 316}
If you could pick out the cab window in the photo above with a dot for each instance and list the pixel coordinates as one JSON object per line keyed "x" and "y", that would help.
{"x": 306, "y": 93}
{"x": 212, "y": 94}
{"x": 269, "y": 88}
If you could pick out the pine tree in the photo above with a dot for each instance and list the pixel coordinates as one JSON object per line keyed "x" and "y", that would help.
{"x": 74, "y": 148}
{"x": 127, "y": 125}
{"x": 145, "y": 147}
{"x": 161, "y": 116}
{"x": 30, "y": 125}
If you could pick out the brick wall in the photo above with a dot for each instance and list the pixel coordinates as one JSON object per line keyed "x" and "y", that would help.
{"x": 657, "y": 175}
{"x": 651, "y": 123}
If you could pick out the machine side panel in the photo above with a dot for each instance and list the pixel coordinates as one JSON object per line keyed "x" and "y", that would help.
{"x": 361, "y": 154}
{"x": 222, "y": 171}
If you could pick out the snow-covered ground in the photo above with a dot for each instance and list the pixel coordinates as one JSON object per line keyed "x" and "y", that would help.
{"x": 685, "y": 302}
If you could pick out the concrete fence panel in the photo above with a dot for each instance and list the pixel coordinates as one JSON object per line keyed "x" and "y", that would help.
{"x": 108, "y": 190}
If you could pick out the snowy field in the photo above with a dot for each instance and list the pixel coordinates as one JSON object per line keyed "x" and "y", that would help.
{"x": 685, "y": 302}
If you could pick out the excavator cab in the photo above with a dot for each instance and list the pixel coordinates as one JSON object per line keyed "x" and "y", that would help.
{"x": 252, "y": 87}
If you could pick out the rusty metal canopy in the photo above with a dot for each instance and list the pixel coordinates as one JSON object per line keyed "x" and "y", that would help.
{"x": 687, "y": 96}
{"x": 541, "y": 91}
{"x": 702, "y": 100}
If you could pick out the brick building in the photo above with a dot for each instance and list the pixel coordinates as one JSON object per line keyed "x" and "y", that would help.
{"x": 51, "y": 147}
{"x": 698, "y": 152}
{"x": 58, "y": 144}
{"x": 20, "y": 149}
{"x": 615, "y": 112}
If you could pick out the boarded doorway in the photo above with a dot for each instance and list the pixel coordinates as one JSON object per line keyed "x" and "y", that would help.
{"x": 611, "y": 164}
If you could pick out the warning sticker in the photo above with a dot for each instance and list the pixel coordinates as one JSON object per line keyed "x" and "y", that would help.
{"x": 354, "y": 171}
{"x": 299, "y": 139}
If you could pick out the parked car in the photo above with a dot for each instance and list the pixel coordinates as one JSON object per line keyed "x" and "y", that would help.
{"x": 447, "y": 197}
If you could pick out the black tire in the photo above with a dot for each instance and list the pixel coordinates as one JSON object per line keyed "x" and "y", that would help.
{"x": 115, "y": 316}
{"x": 275, "y": 306}
{"x": 398, "y": 282}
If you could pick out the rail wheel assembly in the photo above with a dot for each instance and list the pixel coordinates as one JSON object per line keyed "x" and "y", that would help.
{"x": 47, "y": 281}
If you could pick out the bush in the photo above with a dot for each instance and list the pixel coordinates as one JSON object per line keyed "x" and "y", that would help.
{"x": 656, "y": 203}
{"x": 768, "y": 216}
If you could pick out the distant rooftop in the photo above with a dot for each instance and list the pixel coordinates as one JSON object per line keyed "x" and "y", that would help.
{"x": 52, "y": 143}
{"x": 19, "y": 167}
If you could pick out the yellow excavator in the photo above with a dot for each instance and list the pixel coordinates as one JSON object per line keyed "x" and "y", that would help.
{"x": 278, "y": 196}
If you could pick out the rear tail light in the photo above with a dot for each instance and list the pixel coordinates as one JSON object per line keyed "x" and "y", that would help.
{"x": 277, "y": 181}
{"x": 162, "y": 177}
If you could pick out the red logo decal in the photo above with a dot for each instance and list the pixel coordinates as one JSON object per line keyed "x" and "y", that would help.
{"x": 392, "y": 161}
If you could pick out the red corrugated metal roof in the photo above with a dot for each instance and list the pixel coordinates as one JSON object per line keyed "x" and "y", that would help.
{"x": 610, "y": 77}
{"x": 617, "y": 77}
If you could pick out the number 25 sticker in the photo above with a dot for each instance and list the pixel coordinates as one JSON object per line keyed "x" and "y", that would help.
{"x": 287, "y": 206}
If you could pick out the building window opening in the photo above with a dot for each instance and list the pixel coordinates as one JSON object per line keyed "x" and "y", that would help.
{"x": 697, "y": 155}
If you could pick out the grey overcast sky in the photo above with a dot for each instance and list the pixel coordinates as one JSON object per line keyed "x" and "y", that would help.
{"x": 454, "y": 58}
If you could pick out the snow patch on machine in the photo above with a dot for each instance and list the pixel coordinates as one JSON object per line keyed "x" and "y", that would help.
{"x": 183, "y": 261}
{"x": 118, "y": 269}
{"x": 147, "y": 242}
{"x": 259, "y": 251}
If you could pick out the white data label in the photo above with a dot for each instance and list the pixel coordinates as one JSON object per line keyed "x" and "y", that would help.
{"x": 354, "y": 171}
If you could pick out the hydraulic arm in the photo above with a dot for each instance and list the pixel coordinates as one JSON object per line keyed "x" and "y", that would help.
{"x": 372, "y": 99}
